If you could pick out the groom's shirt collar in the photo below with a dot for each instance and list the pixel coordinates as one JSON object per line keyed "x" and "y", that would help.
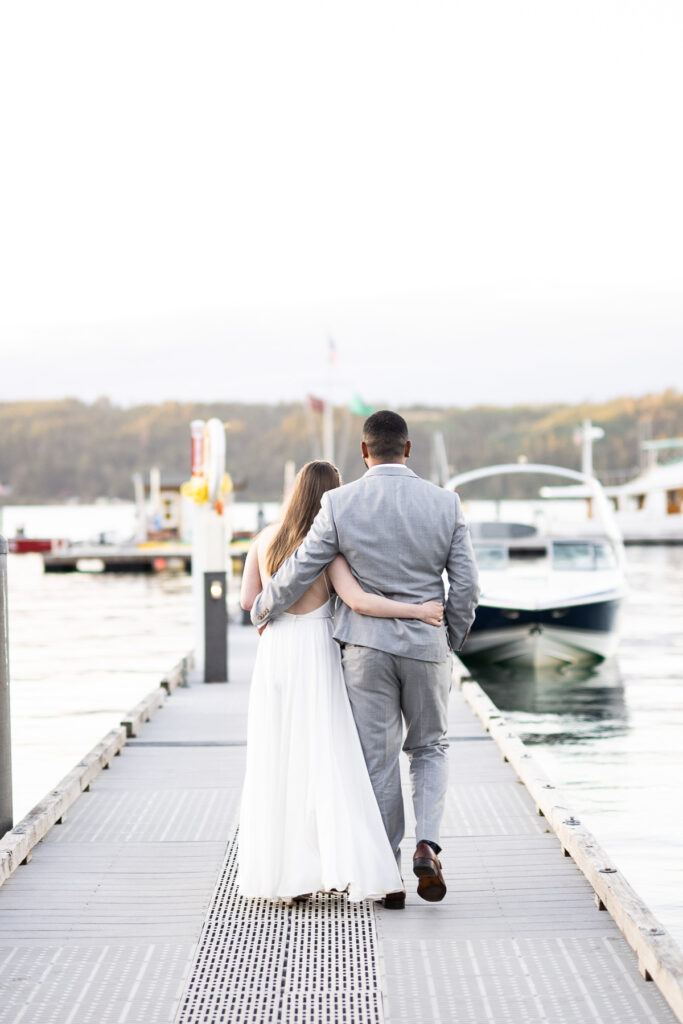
{"x": 389, "y": 469}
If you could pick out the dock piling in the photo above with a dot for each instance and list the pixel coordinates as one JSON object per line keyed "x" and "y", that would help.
{"x": 6, "y": 812}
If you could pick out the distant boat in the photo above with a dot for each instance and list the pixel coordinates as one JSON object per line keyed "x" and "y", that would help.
{"x": 162, "y": 541}
{"x": 22, "y": 545}
{"x": 550, "y": 594}
{"x": 648, "y": 508}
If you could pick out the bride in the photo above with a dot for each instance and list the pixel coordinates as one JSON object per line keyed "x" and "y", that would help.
{"x": 309, "y": 819}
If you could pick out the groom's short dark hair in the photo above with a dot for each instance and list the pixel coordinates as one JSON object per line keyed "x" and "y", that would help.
{"x": 385, "y": 433}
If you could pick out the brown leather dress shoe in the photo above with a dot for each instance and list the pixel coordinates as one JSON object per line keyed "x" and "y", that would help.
{"x": 427, "y": 867}
{"x": 395, "y": 900}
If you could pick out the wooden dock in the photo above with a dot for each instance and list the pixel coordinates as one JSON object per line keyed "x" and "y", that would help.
{"x": 128, "y": 910}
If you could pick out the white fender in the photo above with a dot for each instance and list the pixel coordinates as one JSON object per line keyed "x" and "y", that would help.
{"x": 214, "y": 457}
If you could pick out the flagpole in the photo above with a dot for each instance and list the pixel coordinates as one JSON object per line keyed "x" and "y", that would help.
{"x": 328, "y": 411}
{"x": 313, "y": 433}
{"x": 328, "y": 432}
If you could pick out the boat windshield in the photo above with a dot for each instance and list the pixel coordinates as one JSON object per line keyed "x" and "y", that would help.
{"x": 605, "y": 558}
{"x": 582, "y": 556}
{"x": 491, "y": 556}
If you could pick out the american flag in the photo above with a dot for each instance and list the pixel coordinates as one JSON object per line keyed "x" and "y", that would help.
{"x": 332, "y": 351}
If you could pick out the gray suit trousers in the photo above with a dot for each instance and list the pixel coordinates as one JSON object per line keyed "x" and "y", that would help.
{"x": 384, "y": 689}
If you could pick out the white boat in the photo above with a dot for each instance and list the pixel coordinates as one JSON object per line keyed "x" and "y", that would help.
{"x": 551, "y": 590}
{"x": 648, "y": 508}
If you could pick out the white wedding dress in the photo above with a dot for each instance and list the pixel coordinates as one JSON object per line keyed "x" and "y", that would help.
{"x": 309, "y": 820}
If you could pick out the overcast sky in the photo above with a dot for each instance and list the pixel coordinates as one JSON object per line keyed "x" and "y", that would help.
{"x": 480, "y": 201}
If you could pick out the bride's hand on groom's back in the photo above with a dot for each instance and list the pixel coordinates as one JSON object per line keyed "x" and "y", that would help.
{"x": 432, "y": 613}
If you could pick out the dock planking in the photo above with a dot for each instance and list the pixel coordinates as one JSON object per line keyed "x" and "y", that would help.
{"x": 128, "y": 911}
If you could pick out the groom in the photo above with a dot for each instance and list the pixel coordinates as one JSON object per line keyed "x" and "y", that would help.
{"x": 398, "y": 533}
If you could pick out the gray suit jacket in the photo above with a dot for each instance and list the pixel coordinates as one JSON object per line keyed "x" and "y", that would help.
{"x": 398, "y": 533}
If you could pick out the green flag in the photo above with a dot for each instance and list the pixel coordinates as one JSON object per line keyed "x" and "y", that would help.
{"x": 358, "y": 407}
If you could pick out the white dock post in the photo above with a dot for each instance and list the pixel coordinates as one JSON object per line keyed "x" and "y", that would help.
{"x": 215, "y": 599}
{"x": 140, "y": 508}
{"x": 6, "y": 813}
{"x": 209, "y": 550}
{"x": 198, "y": 512}
{"x": 155, "y": 496}
{"x": 198, "y": 517}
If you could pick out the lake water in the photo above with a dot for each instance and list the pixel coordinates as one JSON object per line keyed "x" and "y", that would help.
{"x": 613, "y": 739}
{"x": 85, "y": 648}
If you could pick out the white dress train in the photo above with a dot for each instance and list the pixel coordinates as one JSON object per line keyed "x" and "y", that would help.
{"x": 309, "y": 819}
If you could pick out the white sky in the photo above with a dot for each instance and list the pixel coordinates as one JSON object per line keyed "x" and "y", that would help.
{"x": 480, "y": 201}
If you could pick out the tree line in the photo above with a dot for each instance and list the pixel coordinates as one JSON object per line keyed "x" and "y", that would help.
{"x": 53, "y": 451}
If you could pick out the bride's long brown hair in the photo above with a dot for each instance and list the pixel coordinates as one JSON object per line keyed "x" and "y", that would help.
{"x": 310, "y": 484}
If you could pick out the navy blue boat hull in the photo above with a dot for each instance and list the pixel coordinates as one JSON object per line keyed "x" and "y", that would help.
{"x": 578, "y": 634}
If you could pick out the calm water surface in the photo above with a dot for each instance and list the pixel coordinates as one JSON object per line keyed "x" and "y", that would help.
{"x": 614, "y": 738}
{"x": 85, "y": 648}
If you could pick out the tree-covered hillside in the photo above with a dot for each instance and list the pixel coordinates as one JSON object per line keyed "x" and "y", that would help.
{"x": 50, "y": 451}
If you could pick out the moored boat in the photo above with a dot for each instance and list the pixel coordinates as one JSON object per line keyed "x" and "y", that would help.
{"x": 22, "y": 545}
{"x": 648, "y": 508}
{"x": 551, "y": 591}
{"x": 28, "y": 545}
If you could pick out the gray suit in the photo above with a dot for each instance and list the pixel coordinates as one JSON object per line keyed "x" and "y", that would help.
{"x": 398, "y": 533}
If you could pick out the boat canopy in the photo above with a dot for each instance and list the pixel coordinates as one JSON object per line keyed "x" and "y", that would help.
{"x": 594, "y": 488}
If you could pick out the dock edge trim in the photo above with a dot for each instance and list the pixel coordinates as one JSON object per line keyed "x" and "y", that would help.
{"x": 660, "y": 959}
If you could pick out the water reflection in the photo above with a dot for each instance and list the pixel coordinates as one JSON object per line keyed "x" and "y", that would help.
{"x": 569, "y": 704}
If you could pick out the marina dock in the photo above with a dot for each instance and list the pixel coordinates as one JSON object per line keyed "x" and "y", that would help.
{"x": 127, "y": 909}
{"x": 121, "y": 558}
